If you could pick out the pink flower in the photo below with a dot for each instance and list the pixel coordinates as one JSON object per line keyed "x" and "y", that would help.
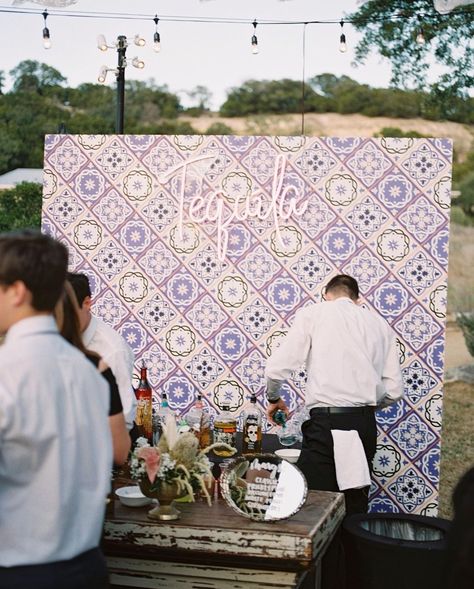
{"x": 151, "y": 456}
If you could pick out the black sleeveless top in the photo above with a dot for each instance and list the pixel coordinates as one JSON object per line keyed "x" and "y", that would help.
{"x": 115, "y": 401}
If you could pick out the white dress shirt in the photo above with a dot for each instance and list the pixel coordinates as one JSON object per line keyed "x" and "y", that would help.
{"x": 102, "y": 339}
{"x": 350, "y": 354}
{"x": 55, "y": 447}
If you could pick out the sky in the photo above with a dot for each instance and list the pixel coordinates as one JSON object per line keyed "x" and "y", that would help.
{"x": 217, "y": 56}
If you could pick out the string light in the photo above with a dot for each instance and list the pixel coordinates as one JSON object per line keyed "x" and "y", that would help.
{"x": 156, "y": 36}
{"x": 254, "y": 38}
{"x": 420, "y": 37}
{"x": 342, "y": 39}
{"x": 46, "y": 37}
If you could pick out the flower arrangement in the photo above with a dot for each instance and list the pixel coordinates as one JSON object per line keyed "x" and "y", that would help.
{"x": 176, "y": 460}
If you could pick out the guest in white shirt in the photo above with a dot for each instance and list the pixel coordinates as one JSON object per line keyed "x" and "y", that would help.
{"x": 352, "y": 367}
{"x": 55, "y": 446}
{"x": 102, "y": 339}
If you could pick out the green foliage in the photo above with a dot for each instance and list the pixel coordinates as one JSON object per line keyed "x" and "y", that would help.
{"x": 466, "y": 199}
{"x": 459, "y": 217}
{"x": 396, "y": 132}
{"x": 267, "y": 96}
{"x": 219, "y": 129}
{"x": 329, "y": 93}
{"x": 32, "y": 76}
{"x": 466, "y": 323}
{"x": 461, "y": 170}
{"x": 390, "y": 28}
{"x": 20, "y": 207}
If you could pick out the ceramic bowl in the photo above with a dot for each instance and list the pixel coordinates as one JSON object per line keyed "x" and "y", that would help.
{"x": 290, "y": 454}
{"x": 132, "y": 497}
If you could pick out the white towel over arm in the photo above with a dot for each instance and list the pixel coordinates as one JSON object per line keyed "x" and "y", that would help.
{"x": 352, "y": 470}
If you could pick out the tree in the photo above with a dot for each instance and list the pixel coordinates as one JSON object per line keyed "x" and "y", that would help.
{"x": 391, "y": 28}
{"x": 20, "y": 207}
{"x": 32, "y": 76}
{"x": 202, "y": 96}
{"x": 267, "y": 96}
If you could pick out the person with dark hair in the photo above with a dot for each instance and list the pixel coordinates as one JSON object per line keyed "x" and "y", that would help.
{"x": 66, "y": 315}
{"x": 102, "y": 339}
{"x": 55, "y": 445}
{"x": 352, "y": 367}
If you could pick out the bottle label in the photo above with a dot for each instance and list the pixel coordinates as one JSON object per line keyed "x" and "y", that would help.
{"x": 225, "y": 435}
{"x": 252, "y": 435}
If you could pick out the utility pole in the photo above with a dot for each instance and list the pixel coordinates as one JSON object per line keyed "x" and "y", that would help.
{"x": 122, "y": 62}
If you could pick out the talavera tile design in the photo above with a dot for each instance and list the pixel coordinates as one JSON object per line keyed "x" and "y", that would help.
{"x": 200, "y": 249}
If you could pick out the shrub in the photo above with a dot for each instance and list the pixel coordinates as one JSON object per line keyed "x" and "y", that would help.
{"x": 466, "y": 323}
{"x": 20, "y": 207}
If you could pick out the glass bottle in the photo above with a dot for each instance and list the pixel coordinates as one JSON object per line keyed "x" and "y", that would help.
{"x": 143, "y": 417}
{"x": 252, "y": 428}
{"x": 225, "y": 430}
{"x": 165, "y": 411}
{"x": 199, "y": 421}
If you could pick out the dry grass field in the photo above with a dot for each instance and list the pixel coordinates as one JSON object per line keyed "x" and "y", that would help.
{"x": 337, "y": 125}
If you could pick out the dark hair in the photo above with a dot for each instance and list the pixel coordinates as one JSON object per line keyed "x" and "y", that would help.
{"x": 37, "y": 260}
{"x": 343, "y": 283}
{"x": 81, "y": 286}
{"x": 67, "y": 317}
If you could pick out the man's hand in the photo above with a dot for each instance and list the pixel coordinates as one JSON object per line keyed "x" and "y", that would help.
{"x": 273, "y": 407}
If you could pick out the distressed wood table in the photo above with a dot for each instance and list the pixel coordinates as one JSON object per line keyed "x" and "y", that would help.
{"x": 216, "y": 548}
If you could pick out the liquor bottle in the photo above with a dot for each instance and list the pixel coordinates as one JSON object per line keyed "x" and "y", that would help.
{"x": 199, "y": 421}
{"x": 225, "y": 430}
{"x": 143, "y": 417}
{"x": 164, "y": 412}
{"x": 252, "y": 428}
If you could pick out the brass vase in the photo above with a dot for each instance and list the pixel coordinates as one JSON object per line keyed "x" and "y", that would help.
{"x": 166, "y": 494}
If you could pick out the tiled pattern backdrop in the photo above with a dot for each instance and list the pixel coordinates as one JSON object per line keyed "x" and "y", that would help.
{"x": 378, "y": 209}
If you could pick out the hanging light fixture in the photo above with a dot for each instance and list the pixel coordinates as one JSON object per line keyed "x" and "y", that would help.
{"x": 156, "y": 36}
{"x": 420, "y": 37}
{"x": 342, "y": 39}
{"x": 254, "y": 38}
{"x": 46, "y": 36}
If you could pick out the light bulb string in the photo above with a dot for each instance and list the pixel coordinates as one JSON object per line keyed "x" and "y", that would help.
{"x": 468, "y": 10}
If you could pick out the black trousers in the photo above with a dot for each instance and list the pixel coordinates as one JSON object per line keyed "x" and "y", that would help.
{"x": 317, "y": 455}
{"x": 317, "y": 464}
{"x": 86, "y": 571}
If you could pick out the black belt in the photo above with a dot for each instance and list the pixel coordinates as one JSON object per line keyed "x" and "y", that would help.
{"x": 366, "y": 409}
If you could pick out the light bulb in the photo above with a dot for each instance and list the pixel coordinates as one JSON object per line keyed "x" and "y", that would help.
{"x": 46, "y": 38}
{"x": 102, "y": 74}
{"x": 138, "y": 63}
{"x": 254, "y": 44}
{"x": 139, "y": 41}
{"x": 420, "y": 38}
{"x": 102, "y": 43}
{"x": 156, "y": 42}
{"x": 342, "y": 44}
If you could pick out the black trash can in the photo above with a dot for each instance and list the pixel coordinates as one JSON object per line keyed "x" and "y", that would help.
{"x": 394, "y": 551}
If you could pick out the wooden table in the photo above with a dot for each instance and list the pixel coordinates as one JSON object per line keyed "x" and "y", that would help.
{"x": 216, "y": 548}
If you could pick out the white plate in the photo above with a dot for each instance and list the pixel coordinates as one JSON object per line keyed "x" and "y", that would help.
{"x": 132, "y": 496}
{"x": 290, "y": 454}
